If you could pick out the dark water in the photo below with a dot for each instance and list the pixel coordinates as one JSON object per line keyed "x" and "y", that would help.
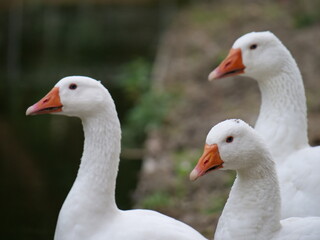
{"x": 39, "y": 44}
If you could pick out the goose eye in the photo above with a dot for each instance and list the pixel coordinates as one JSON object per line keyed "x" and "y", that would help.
{"x": 253, "y": 46}
{"x": 229, "y": 139}
{"x": 73, "y": 86}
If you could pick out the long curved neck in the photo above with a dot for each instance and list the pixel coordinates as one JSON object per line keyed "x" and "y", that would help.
{"x": 91, "y": 199}
{"x": 94, "y": 187}
{"x": 283, "y": 114}
{"x": 99, "y": 163}
{"x": 253, "y": 207}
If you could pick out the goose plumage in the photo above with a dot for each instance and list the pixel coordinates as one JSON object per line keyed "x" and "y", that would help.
{"x": 90, "y": 210}
{"x": 282, "y": 120}
{"x": 253, "y": 208}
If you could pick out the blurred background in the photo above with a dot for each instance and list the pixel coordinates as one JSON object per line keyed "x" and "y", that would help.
{"x": 154, "y": 57}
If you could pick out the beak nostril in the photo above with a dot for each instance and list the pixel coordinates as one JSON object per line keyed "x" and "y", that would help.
{"x": 228, "y": 63}
{"x": 205, "y": 162}
{"x": 46, "y": 100}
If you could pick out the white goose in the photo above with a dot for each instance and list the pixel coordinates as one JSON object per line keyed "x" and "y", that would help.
{"x": 282, "y": 121}
{"x": 253, "y": 208}
{"x": 90, "y": 211}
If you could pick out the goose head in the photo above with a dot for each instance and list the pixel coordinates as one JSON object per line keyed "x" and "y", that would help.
{"x": 230, "y": 145}
{"x": 73, "y": 96}
{"x": 254, "y": 55}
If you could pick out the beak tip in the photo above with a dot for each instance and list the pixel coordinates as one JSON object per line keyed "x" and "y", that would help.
{"x": 194, "y": 175}
{"x": 212, "y": 75}
{"x": 29, "y": 111}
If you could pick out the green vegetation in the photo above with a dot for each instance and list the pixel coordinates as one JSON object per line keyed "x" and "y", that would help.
{"x": 185, "y": 160}
{"x": 157, "y": 200}
{"x": 230, "y": 180}
{"x": 305, "y": 19}
{"x": 134, "y": 78}
{"x": 217, "y": 203}
{"x": 149, "y": 105}
{"x": 305, "y": 13}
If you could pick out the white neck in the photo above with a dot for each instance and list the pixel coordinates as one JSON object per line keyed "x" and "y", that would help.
{"x": 99, "y": 164}
{"x": 93, "y": 192}
{"x": 253, "y": 208}
{"x": 282, "y": 121}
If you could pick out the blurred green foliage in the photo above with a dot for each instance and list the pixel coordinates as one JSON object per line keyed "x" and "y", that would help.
{"x": 157, "y": 200}
{"x": 305, "y": 19}
{"x": 217, "y": 203}
{"x": 305, "y": 13}
{"x": 185, "y": 160}
{"x": 149, "y": 105}
{"x": 134, "y": 78}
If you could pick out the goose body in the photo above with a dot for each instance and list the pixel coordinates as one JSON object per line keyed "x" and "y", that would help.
{"x": 282, "y": 121}
{"x": 253, "y": 208}
{"x": 90, "y": 210}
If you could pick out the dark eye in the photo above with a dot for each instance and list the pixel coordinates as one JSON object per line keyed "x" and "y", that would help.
{"x": 73, "y": 86}
{"x": 229, "y": 139}
{"x": 253, "y": 46}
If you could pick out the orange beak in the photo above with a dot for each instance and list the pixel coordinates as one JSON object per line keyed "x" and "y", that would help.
{"x": 230, "y": 66}
{"x": 49, "y": 104}
{"x": 209, "y": 161}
